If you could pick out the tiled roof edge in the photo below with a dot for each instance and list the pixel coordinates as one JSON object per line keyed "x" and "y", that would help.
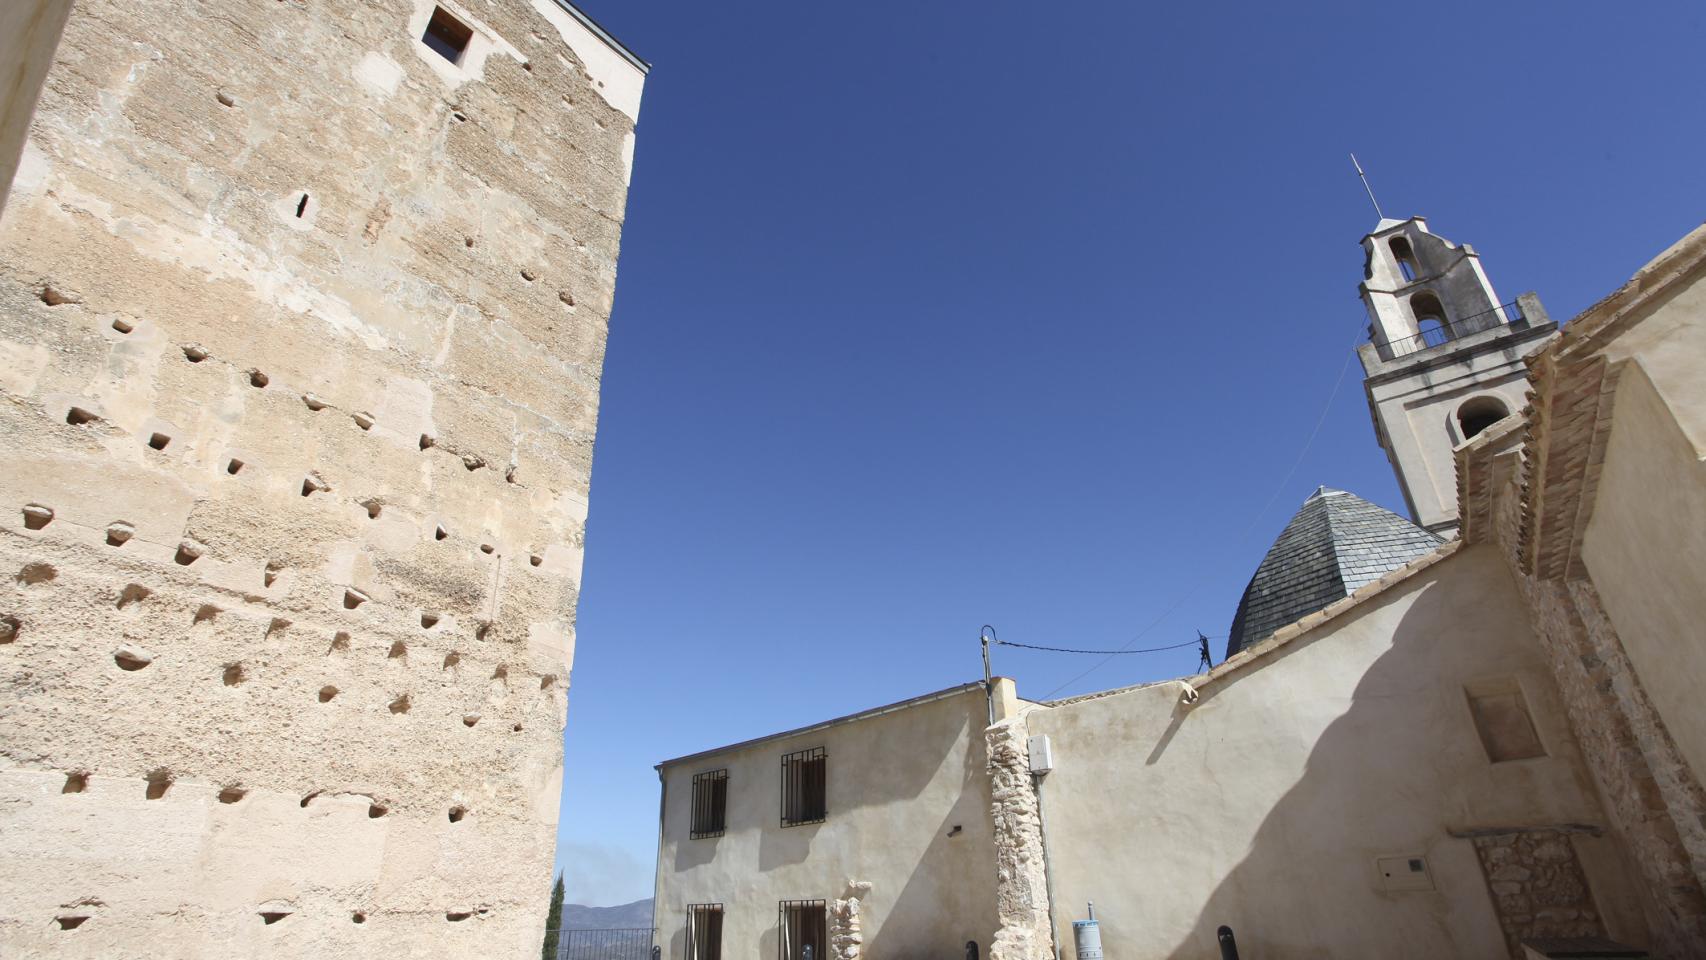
{"x": 1286, "y": 634}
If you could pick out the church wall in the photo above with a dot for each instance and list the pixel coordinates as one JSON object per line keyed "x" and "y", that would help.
{"x": 1645, "y": 545}
{"x": 1267, "y": 805}
{"x": 1645, "y": 549}
{"x": 908, "y": 813}
{"x": 301, "y": 329}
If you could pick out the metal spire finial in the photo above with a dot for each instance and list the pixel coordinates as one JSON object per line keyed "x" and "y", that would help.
{"x": 1365, "y": 186}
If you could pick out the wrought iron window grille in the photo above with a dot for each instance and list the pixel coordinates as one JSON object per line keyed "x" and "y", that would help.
{"x": 805, "y": 787}
{"x": 710, "y": 804}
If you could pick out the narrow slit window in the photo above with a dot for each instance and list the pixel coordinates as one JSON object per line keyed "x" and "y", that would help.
{"x": 447, "y": 36}
{"x": 802, "y": 930}
{"x": 704, "y": 931}
{"x": 710, "y": 804}
{"x": 804, "y": 787}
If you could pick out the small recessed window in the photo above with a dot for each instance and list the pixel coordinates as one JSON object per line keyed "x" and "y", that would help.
{"x": 1502, "y": 719}
{"x": 446, "y": 35}
{"x": 710, "y": 803}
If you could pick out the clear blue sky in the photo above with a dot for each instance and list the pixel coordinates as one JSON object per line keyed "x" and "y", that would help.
{"x": 937, "y": 314}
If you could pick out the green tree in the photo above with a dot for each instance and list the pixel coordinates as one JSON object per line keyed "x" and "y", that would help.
{"x": 553, "y": 922}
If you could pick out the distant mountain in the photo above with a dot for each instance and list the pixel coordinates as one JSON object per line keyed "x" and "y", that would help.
{"x": 625, "y": 917}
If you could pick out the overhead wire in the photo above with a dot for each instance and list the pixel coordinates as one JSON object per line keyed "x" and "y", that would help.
{"x": 1278, "y": 489}
{"x": 1111, "y": 653}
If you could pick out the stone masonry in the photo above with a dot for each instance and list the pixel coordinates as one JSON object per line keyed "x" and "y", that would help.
{"x": 846, "y": 938}
{"x": 1538, "y": 887}
{"x": 301, "y": 330}
{"x": 1021, "y": 887}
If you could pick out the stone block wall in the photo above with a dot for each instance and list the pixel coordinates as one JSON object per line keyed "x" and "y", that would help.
{"x": 301, "y": 329}
{"x": 1634, "y": 764}
{"x": 1538, "y": 887}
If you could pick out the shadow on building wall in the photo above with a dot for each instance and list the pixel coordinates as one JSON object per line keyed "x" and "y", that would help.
{"x": 1392, "y": 776}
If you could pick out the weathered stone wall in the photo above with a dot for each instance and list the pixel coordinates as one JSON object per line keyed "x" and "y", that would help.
{"x": 1634, "y": 766}
{"x": 1021, "y": 886}
{"x": 1538, "y": 887}
{"x": 846, "y": 930}
{"x": 301, "y": 329}
{"x": 1554, "y": 505}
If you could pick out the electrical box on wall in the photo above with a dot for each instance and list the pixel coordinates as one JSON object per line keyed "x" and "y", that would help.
{"x": 1042, "y": 753}
{"x": 1404, "y": 873}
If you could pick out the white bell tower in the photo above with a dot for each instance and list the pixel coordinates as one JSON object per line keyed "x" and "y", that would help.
{"x": 1444, "y": 358}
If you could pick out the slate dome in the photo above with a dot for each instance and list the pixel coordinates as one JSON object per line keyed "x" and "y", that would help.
{"x": 1336, "y": 543}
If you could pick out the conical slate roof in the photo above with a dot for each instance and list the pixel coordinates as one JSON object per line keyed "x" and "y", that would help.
{"x": 1336, "y": 543}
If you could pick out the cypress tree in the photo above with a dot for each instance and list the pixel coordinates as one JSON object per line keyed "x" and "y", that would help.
{"x": 553, "y": 922}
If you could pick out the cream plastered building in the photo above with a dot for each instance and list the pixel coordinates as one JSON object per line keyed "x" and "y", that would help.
{"x": 303, "y": 306}
{"x": 1483, "y": 745}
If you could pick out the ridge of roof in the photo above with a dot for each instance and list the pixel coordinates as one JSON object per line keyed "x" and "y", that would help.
{"x": 919, "y": 700}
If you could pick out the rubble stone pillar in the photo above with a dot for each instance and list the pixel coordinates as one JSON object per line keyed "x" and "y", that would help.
{"x": 845, "y": 939}
{"x": 1021, "y": 886}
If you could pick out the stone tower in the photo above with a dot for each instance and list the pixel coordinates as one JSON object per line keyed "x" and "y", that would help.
{"x": 1444, "y": 358}
{"x": 303, "y": 308}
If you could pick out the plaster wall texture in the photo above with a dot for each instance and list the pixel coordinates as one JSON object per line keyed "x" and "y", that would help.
{"x": 1645, "y": 545}
{"x": 908, "y": 814}
{"x": 301, "y": 329}
{"x": 1266, "y": 805}
{"x": 29, "y": 33}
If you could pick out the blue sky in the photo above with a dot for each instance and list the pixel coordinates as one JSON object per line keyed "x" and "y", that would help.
{"x": 933, "y": 315}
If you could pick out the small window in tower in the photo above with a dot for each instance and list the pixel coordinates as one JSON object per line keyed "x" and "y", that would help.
{"x": 1431, "y": 327}
{"x": 1406, "y": 257}
{"x": 447, "y": 36}
{"x": 1430, "y": 332}
{"x": 1478, "y": 413}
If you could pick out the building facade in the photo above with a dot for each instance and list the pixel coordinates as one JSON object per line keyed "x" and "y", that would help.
{"x": 1475, "y": 747}
{"x": 302, "y": 309}
{"x": 871, "y": 832}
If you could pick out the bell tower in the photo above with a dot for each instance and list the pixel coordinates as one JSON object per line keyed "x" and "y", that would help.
{"x": 1444, "y": 358}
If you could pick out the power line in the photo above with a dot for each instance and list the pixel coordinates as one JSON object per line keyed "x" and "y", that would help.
{"x": 1111, "y": 653}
